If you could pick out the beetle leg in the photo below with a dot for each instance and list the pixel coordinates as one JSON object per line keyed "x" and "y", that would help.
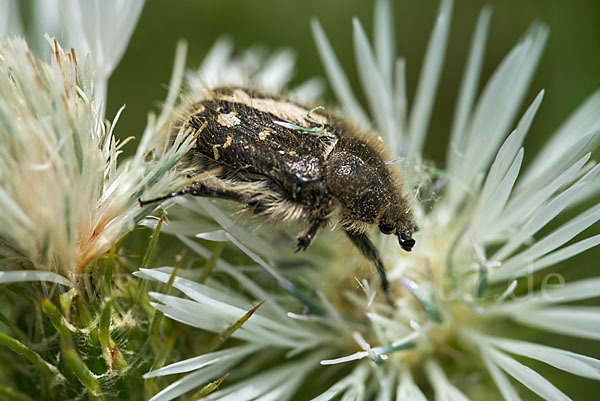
{"x": 211, "y": 192}
{"x": 199, "y": 190}
{"x": 256, "y": 205}
{"x": 164, "y": 197}
{"x": 369, "y": 251}
{"x": 305, "y": 240}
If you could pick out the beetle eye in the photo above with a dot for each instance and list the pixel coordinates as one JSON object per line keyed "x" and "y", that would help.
{"x": 386, "y": 228}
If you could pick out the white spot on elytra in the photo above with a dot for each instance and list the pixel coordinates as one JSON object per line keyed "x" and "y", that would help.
{"x": 228, "y": 120}
{"x": 282, "y": 109}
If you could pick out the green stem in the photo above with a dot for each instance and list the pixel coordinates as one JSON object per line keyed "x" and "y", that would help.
{"x": 149, "y": 251}
{"x": 161, "y": 349}
{"x": 33, "y": 357}
{"x": 210, "y": 263}
{"x": 13, "y": 395}
{"x": 58, "y": 321}
{"x": 81, "y": 371}
{"x": 108, "y": 272}
{"x": 147, "y": 257}
{"x": 71, "y": 358}
{"x": 11, "y": 326}
{"x": 112, "y": 354}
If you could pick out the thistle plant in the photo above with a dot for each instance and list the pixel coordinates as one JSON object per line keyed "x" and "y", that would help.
{"x": 489, "y": 225}
{"x": 477, "y": 308}
{"x": 67, "y": 204}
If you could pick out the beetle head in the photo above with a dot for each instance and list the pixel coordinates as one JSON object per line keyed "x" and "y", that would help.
{"x": 399, "y": 222}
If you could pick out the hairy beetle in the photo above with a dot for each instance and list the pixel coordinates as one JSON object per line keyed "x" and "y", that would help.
{"x": 288, "y": 162}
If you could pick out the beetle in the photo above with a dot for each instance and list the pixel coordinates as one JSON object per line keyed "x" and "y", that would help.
{"x": 288, "y": 162}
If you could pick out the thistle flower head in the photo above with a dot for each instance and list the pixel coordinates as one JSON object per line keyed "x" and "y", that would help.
{"x": 487, "y": 224}
{"x": 64, "y": 199}
{"x": 52, "y": 144}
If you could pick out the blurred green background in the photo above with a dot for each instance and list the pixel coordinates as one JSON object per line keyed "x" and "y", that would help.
{"x": 569, "y": 69}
